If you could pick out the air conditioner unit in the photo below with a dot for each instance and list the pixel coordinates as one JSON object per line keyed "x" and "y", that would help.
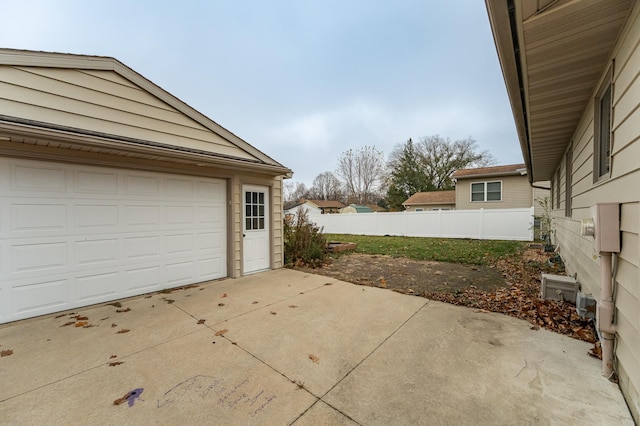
{"x": 559, "y": 287}
{"x": 586, "y": 306}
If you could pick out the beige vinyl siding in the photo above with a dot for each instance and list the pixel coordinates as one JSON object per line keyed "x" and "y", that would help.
{"x": 622, "y": 186}
{"x": 516, "y": 192}
{"x": 104, "y": 102}
{"x": 538, "y": 195}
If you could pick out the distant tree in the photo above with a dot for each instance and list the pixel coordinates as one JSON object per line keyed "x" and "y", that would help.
{"x": 362, "y": 171}
{"x": 405, "y": 174}
{"x": 326, "y": 186}
{"x": 292, "y": 192}
{"x": 428, "y": 165}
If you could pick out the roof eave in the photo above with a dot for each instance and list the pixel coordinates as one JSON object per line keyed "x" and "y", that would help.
{"x": 17, "y": 57}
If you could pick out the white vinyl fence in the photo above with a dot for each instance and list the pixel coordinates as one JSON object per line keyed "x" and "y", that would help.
{"x": 482, "y": 224}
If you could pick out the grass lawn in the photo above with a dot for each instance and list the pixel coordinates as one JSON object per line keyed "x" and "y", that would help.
{"x": 474, "y": 252}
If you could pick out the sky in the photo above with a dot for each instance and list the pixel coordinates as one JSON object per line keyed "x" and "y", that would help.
{"x": 301, "y": 80}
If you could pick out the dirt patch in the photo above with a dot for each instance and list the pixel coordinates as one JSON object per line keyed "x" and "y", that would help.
{"x": 510, "y": 286}
{"x": 412, "y": 276}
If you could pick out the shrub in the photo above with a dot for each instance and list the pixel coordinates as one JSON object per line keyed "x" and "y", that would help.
{"x": 304, "y": 243}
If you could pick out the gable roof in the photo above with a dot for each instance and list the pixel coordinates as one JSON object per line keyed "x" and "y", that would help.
{"x": 434, "y": 197}
{"x": 507, "y": 170}
{"x": 326, "y": 204}
{"x": 98, "y": 104}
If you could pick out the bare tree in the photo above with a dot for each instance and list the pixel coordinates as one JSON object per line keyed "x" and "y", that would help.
{"x": 428, "y": 165}
{"x": 326, "y": 186}
{"x": 362, "y": 172}
{"x": 294, "y": 191}
{"x": 440, "y": 157}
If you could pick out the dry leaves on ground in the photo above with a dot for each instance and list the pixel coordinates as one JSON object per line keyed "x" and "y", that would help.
{"x": 522, "y": 299}
{"x": 314, "y": 358}
{"x": 6, "y": 352}
{"x": 221, "y": 332}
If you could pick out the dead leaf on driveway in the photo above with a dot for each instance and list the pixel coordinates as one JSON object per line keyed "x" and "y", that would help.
{"x": 293, "y": 306}
{"x": 383, "y": 283}
{"x": 6, "y": 352}
{"x": 81, "y": 323}
{"x": 534, "y": 327}
{"x": 201, "y": 321}
{"x": 314, "y": 358}
{"x": 254, "y": 302}
{"x": 223, "y": 295}
{"x": 67, "y": 323}
{"x": 123, "y": 310}
{"x": 169, "y": 301}
{"x": 273, "y": 313}
{"x": 115, "y": 363}
{"x": 60, "y": 316}
{"x": 113, "y": 356}
{"x": 124, "y": 330}
{"x": 221, "y": 332}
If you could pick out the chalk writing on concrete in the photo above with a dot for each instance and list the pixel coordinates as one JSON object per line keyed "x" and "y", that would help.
{"x": 196, "y": 386}
{"x": 230, "y": 396}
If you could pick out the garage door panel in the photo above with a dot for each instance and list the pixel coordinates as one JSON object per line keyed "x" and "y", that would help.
{"x": 96, "y": 216}
{"x": 210, "y": 190}
{"x": 37, "y": 257}
{"x": 27, "y": 217}
{"x": 142, "y": 215}
{"x": 46, "y": 178}
{"x": 144, "y": 185}
{"x": 211, "y": 268}
{"x": 97, "y": 183}
{"x": 180, "y": 243}
{"x": 180, "y": 273}
{"x": 141, "y": 247}
{"x": 179, "y": 215}
{"x": 179, "y": 188}
{"x": 142, "y": 280}
{"x": 96, "y": 287}
{"x": 96, "y": 252}
{"x": 40, "y": 297}
{"x": 73, "y": 235}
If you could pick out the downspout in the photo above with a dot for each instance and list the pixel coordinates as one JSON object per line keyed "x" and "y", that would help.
{"x": 604, "y": 314}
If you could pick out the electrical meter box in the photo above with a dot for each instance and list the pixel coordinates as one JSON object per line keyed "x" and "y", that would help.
{"x": 606, "y": 217}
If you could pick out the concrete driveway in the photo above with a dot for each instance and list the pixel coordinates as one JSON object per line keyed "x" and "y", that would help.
{"x": 298, "y": 349}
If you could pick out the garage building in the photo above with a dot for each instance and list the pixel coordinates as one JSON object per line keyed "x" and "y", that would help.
{"x": 111, "y": 187}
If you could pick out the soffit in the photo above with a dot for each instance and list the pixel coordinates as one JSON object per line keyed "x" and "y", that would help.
{"x": 565, "y": 48}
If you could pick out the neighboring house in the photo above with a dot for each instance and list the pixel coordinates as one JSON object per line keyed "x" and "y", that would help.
{"x": 435, "y": 200}
{"x": 572, "y": 71}
{"x": 376, "y": 208}
{"x": 328, "y": 206}
{"x": 310, "y": 208}
{"x": 313, "y": 207}
{"x": 112, "y": 187}
{"x": 354, "y": 208}
{"x": 496, "y": 187}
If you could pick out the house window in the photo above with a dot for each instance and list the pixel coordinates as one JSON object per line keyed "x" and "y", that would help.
{"x": 486, "y": 191}
{"x": 602, "y": 131}
{"x": 419, "y": 209}
{"x": 254, "y": 210}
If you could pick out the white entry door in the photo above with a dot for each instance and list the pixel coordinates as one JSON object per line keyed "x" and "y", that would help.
{"x": 256, "y": 253}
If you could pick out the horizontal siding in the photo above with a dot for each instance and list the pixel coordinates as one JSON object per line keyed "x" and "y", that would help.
{"x": 76, "y": 99}
{"x": 516, "y": 193}
{"x": 622, "y": 186}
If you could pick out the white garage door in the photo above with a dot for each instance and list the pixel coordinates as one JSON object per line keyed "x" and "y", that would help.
{"x": 74, "y": 235}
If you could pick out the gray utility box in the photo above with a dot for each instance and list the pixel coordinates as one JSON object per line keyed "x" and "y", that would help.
{"x": 559, "y": 287}
{"x": 586, "y": 306}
